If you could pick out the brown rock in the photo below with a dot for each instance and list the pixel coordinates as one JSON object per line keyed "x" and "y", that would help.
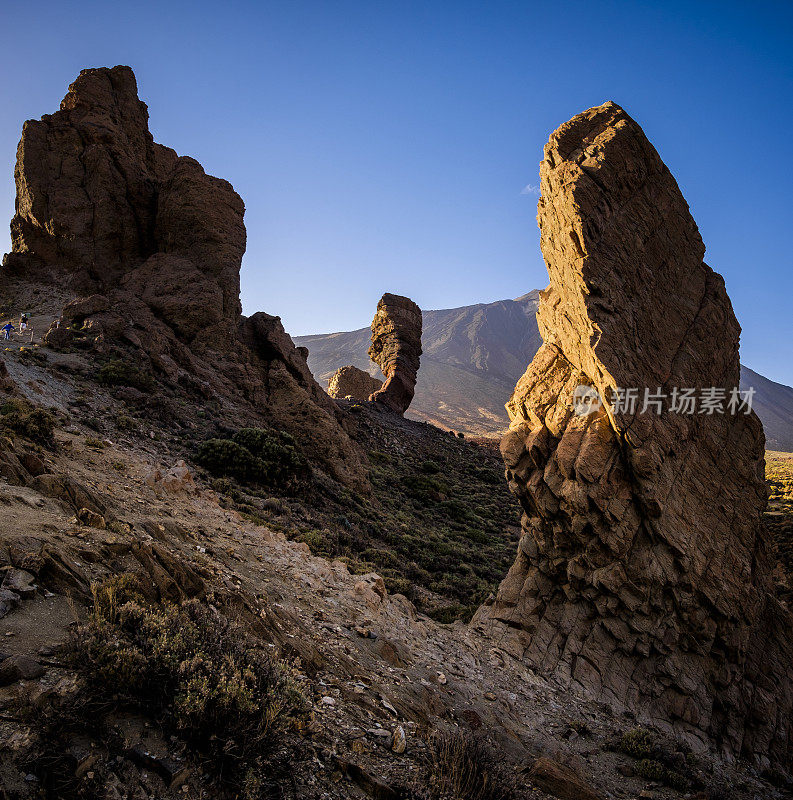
{"x": 643, "y": 576}
{"x": 91, "y": 519}
{"x": 20, "y": 582}
{"x": 352, "y": 382}
{"x": 19, "y": 668}
{"x": 149, "y": 248}
{"x": 70, "y": 492}
{"x": 561, "y": 781}
{"x": 396, "y": 349}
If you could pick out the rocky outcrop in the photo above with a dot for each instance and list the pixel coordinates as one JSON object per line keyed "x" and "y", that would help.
{"x": 352, "y": 382}
{"x": 643, "y": 575}
{"x": 396, "y": 349}
{"x": 149, "y": 247}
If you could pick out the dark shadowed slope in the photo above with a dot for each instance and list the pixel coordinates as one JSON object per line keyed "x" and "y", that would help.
{"x": 474, "y": 355}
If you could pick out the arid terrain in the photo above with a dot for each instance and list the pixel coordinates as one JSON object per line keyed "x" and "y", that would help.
{"x": 218, "y": 582}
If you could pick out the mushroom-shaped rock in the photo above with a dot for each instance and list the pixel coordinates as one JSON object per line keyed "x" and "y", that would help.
{"x": 396, "y": 349}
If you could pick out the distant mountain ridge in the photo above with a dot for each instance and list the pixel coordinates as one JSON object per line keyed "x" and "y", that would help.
{"x": 473, "y": 357}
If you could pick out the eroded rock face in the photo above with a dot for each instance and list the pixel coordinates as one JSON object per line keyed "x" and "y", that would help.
{"x": 643, "y": 573}
{"x": 396, "y": 349}
{"x": 149, "y": 247}
{"x": 350, "y": 381}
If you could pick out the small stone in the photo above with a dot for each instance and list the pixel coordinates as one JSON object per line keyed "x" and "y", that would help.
{"x": 398, "y": 740}
{"x": 327, "y": 700}
{"x": 8, "y": 602}
{"x": 442, "y": 679}
{"x": 20, "y": 582}
{"x": 490, "y": 696}
{"x": 19, "y": 668}
{"x": 90, "y": 519}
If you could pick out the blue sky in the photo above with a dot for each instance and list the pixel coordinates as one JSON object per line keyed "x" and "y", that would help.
{"x": 385, "y": 146}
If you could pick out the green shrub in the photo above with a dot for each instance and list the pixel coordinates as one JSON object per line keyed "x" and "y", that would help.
{"x": 256, "y": 455}
{"x": 27, "y": 420}
{"x": 430, "y": 467}
{"x": 226, "y": 457}
{"x": 196, "y": 674}
{"x": 278, "y": 452}
{"x": 379, "y": 457}
{"x": 33, "y": 354}
{"x": 637, "y": 743}
{"x": 118, "y": 372}
{"x": 654, "y": 762}
{"x": 652, "y": 770}
{"x": 455, "y": 509}
{"x": 425, "y": 489}
{"x": 461, "y": 766}
{"x": 125, "y": 423}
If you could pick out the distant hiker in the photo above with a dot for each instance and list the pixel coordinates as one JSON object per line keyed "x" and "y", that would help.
{"x": 23, "y": 322}
{"x": 7, "y": 328}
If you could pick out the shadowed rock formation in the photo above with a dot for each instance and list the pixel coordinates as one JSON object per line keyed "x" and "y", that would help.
{"x": 396, "y": 349}
{"x": 643, "y": 574}
{"x": 149, "y": 247}
{"x": 350, "y": 381}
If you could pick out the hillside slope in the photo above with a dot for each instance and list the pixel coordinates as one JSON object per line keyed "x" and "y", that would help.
{"x": 473, "y": 357}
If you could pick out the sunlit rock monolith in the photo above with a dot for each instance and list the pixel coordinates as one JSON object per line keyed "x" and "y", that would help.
{"x": 643, "y": 573}
{"x": 396, "y": 349}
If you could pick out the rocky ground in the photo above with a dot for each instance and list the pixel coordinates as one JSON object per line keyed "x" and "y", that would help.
{"x": 376, "y": 673}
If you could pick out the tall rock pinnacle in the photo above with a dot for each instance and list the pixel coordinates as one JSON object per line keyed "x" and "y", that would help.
{"x": 396, "y": 349}
{"x": 643, "y": 572}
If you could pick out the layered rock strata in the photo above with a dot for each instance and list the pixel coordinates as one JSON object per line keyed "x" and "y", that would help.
{"x": 149, "y": 247}
{"x": 643, "y": 575}
{"x": 396, "y": 349}
{"x": 352, "y": 382}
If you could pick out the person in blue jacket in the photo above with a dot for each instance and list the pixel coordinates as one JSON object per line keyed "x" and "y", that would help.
{"x": 7, "y": 328}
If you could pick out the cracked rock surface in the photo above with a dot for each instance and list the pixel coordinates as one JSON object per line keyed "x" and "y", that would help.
{"x": 643, "y": 575}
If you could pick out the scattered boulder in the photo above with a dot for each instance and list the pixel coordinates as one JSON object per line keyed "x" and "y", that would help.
{"x": 178, "y": 478}
{"x": 19, "y": 668}
{"x": 19, "y": 581}
{"x": 398, "y": 740}
{"x": 396, "y": 349}
{"x": 352, "y": 382}
{"x": 9, "y": 600}
{"x": 89, "y": 518}
{"x": 643, "y": 575}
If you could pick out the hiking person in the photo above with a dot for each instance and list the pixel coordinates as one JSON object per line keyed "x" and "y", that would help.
{"x": 23, "y": 322}
{"x": 7, "y": 328}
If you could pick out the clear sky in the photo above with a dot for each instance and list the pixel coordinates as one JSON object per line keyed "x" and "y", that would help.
{"x": 394, "y": 146}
